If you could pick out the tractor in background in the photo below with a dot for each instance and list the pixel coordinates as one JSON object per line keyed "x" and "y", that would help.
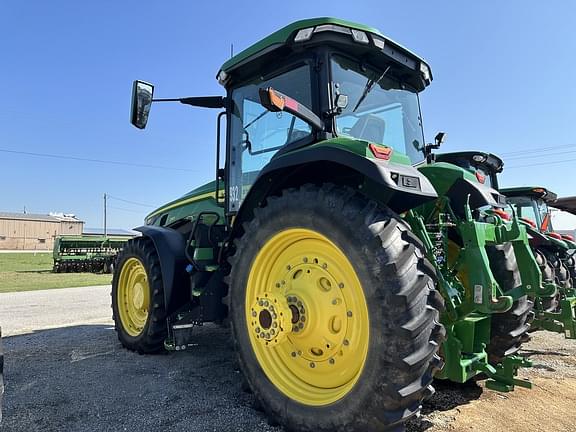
{"x": 554, "y": 253}
{"x": 351, "y": 266}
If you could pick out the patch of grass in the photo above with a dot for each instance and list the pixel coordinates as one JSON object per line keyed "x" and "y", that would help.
{"x": 28, "y": 272}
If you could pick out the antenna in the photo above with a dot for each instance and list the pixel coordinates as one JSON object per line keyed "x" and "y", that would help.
{"x": 231, "y": 50}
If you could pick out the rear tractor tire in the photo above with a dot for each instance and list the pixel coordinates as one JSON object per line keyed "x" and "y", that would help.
{"x": 138, "y": 298}
{"x": 333, "y": 312}
{"x": 509, "y": 330}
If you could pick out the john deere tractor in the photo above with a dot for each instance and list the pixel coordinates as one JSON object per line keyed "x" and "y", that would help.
{"x": 556, "y": 255}
{"x": 350, "y": 266}
{"x": 554, "y": 308}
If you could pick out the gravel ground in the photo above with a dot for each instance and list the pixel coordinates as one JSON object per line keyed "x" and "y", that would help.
{"x": 77, "y": 377}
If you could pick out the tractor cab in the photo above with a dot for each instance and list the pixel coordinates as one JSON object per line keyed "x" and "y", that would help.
{"x": 341, "y": 89}
{"x": 484, "y": 166}
{"x": 531, "y": 204}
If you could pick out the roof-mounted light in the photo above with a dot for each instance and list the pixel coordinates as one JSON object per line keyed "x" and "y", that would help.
{"x": 222, "y": 77}
{"x": 332, "y": 28}
{"x": 425, "y": 71}
{"x": 479, "y": 158}
{"x": 360, "y": 36}
{"x": 304, "y": 34}
{"x": 378, "y": 43}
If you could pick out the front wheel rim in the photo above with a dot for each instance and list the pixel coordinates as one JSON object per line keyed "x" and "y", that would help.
{"x": 307, "y": 317}
{"x": 133, "y": 296}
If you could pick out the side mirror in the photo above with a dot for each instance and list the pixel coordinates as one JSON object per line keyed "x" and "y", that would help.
{"x": 440, "y": 138}
{"x": 142, "y": 93}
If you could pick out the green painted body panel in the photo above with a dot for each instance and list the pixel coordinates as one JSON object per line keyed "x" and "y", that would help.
{"x": 443, "y": 175}
{"x": 202, "y": 198}
{"x": 356, "y": 146}
{"x": 198, "y": 200}
{"x": 283, "y": 36}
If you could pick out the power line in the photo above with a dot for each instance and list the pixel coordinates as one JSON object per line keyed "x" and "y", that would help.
{"x": 536, "y": 150}
{"x": 539, "y": 155}
{"x": 103, "y": 161}
{"x": 125, "y": 209}
{"x": 541, "y": 164}
{"x": 130, "y": 202}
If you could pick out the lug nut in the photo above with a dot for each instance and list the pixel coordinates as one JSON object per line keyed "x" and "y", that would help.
{"x": 288, "y": 267}
{"x": 293, "y": 354}
{"x": 349, "y": 313}
{"x": 305, "y": 259}
{"x": 312, "y": 365}
{"x": 324, "y": 266}
{"x": 257, "y": 329}
{"x": 254, "y": 313}
{"x": 331, "y": 361}
{"x": 346, "y": 342}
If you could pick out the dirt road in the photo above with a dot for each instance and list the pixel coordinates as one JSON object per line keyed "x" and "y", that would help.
{"x": 76, "y": 377}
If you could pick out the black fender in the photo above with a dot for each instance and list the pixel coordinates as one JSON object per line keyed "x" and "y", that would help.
{"x": 170, "y": 246}
{"x": 403, "y": 186}
{"x": 476, "y": 194}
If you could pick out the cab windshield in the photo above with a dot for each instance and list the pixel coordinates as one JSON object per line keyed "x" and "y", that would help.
{"x": 388, "y": 114}
{"x": 535, "y": 210}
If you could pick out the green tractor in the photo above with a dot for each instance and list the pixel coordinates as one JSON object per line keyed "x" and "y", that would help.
{"x": 350, "y": 266}
{"x": 554, "y": 252}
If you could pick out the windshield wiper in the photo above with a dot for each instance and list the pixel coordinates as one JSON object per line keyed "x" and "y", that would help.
{"x": 368, "y": 88}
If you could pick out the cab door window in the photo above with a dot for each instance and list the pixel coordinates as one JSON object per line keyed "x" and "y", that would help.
{"x": 257, "y": 134}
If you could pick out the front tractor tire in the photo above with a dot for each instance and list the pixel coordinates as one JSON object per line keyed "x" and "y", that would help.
{"x": 334, "y": 313}
{"x": 138, "y": 298}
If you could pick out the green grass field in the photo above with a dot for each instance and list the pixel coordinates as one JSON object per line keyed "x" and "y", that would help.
{"x": 28, "y": 272}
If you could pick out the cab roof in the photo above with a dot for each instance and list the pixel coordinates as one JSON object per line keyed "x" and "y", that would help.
{"x": 567, "y": 204}
{"x": 478, "y": 159}
{"x": 302, "y": 33}
{"x": 537, "y": 192}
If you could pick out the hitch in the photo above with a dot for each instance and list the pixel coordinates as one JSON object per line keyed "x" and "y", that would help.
{"x": 563, "y": 321}
{"x": 502, "y": 377}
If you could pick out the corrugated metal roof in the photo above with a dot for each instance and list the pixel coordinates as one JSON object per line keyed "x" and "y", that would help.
{"x": 37, "y": 217}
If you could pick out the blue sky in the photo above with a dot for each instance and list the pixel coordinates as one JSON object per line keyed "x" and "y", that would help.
{"x": 503, "y": 82}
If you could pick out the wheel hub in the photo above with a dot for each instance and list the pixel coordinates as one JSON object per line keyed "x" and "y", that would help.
{"x": 271, "y": 317}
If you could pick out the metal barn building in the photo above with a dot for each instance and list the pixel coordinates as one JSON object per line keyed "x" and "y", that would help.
{"x": 27, "y": 231}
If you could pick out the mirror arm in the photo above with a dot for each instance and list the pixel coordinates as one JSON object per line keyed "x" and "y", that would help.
{"x": 201, "y": 101}
{"x": 275, "y": 101}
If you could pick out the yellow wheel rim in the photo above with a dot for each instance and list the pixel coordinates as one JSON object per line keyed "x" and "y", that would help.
{"x": 307, "y": 317}
{"x": 133, "y": 296}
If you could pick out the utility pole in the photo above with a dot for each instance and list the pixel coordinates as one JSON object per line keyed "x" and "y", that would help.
{"x": 105, "y": 227}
